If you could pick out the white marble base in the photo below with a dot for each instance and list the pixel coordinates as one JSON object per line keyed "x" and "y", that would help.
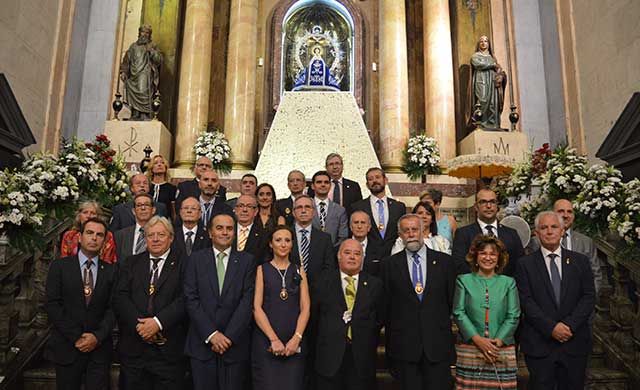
{"x": 307, "y": 127}
{"x": 512, "y": 144}
{"x": 131, "y": 137}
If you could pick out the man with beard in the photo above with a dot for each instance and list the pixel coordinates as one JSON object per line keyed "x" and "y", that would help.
{"x": 209, "y": 204}
{"x": 140, "y": 72}
{"x": 384, "y": 211}
{"x": 191, "y": 187}
{"x": 486, "y": 208}
{"x": 419, "y": 285}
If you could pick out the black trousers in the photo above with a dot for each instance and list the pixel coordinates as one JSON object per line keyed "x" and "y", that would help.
{"x": 557, "y": 371}
{"x": 347, "y": 377}
{"x": 424, "y": 374}
{"x": 151, "y": 371}
{"x": 83, "y": 371}
{"x": 215, "y": 374}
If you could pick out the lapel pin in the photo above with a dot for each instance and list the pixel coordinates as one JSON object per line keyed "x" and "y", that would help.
{"x": 364, "y": 283}
{"x": 434, "y": 262}
{"x": 568, "y": 261}
{"x": 173, "y": 263}
{"x": 101, "y": 266}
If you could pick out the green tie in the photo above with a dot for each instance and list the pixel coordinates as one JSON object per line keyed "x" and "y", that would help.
{"x": 220, "y": 269}
{"x": 350, "y": 297}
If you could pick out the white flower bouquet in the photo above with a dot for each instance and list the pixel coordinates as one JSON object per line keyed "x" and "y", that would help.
{"x": 565, "y": 175}
{"x": 421, "y": 157}
{"x": 601, "y": 194}
{"x": 625, "y": 221}
{"x": 215, "y": 146}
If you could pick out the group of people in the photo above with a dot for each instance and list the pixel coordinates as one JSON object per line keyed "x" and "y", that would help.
{"x": 255, "y": 292}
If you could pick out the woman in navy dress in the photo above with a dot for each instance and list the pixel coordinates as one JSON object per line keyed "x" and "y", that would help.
{"x": 281, "y": 310}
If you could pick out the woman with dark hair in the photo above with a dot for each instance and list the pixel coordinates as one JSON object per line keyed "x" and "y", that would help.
{"x": 161, "y": 189}
{"x": 486, "y": 309}
{"x": 447, "y": 224}
{"x": 69, "y": 245}
{"x": 432, "y": 239}
{"x": 281, "y": 308}
{"x": 268, "y": 217}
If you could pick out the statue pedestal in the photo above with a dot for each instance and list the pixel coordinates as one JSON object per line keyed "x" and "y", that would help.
{"x": 307, "y": 127}
{"x": 513, "y": 144}
{"x": 131, "y": 137}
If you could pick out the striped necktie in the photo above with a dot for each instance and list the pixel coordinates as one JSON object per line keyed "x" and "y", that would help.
{"x": 304, "y": 249}
{"x": 323, "y": 216}
{"x": 141, "y": 243}
{"x": 242, "y": 238}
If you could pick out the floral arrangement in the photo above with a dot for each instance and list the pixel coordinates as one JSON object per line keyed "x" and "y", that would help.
{"x": 46, "y": 186}
{"x": 565, "y": 175}
{"x": 626, "y": 219}
{"x": 517, "y": 182}
{"x": 215, "y": 146}
{"x": 421, "y": 156}
{"x": 100, "y": 172}
{"x": 601, "y": 195}
{"x": 539, "y": 160}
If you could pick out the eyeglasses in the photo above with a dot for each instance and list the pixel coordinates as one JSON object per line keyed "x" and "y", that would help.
{"x": 484, "y": 202}
{"x": 245, "y": 206}
{"x": 143, "y": 205}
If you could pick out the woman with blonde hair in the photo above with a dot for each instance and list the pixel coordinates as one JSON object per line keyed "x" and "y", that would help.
{"x": 161, "y": 190}
{"x": 69, "y": 245}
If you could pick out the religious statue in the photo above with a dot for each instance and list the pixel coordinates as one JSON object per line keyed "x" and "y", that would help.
{"x": 317, "y": 75}
{"x": 140, "y": 72}
{"x": 486, "y": 92}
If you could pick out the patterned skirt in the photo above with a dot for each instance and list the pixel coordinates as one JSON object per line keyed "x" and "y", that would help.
{"x": 474, "y": 372}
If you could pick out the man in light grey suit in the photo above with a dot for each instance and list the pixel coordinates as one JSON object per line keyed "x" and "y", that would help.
{"x": 329, "y": 217}
{"x": 575, "y": 241}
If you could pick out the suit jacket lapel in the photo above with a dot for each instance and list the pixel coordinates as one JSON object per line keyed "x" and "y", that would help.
{"x": 541, "y": 269}
{"x": 431, "y": 263}
{"x": 404, "y": 273}
{"x": 142, "y": 272}
{"x": 374, "y": 225}
{"x": 99, "y": 279}
{"x": 337, "y": 287}
{"x": 231, "y": 271}
{"x": 76, "y": 276}
{"x": 567, "y": 274}
{"x": 362, "y": 292}
{"x": 170, "y": 264}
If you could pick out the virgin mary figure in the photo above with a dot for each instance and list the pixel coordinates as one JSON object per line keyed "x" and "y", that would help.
{"x": 317, "y": 75}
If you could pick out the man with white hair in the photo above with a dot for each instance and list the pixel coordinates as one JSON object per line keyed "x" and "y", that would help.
{"x": 557, "y": 297}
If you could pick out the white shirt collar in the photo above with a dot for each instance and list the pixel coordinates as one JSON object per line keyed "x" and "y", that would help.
{"x": 355, "y": 277}
{"x": 240, "y": 227}
{"x": 308, "y": 228}
{"x": 163, "y": 256}
{"x": 546, "y": 252}
{"x": 318, "y": 200}
{"x": 483, "y": 226}
{"x": 227, "y": 252}
{"x": 185, "y": 230}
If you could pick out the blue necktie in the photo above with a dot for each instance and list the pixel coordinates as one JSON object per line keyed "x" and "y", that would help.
{"x": 304, "y": 249}
{"x": 381, "y": 227}
{"x": 416, "y": 275}
{"x": 336, "y": 192}
{"x": 555, "y": 276}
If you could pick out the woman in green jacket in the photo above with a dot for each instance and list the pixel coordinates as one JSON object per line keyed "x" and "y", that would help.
{"x": 487, "y": 310}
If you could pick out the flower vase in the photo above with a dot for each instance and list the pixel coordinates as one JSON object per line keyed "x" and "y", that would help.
{"x": 512, "y": 207}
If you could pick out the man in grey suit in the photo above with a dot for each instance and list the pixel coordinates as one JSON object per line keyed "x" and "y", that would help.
{"x": 131, "y": 240}
{"x": 329, "y": 216}
{"x": 574, "y": 241}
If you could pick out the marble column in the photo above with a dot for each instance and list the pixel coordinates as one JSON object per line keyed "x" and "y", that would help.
{"x": 239, "y": 113}
{"x": 195, "y": 74}
{"x": 438, "y": 77}
{"x": 394, "y": 84}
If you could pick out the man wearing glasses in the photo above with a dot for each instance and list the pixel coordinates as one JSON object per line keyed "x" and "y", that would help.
{"x": 132, "y": 240}
{"x": 249, "y": 237}
{"x": 486, "y": 208}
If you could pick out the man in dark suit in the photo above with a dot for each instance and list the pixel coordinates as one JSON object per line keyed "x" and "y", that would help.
{"x": 191, "y": 234}
{"x": 360, "y": 225}
{"x": 151, "y": 316}
{"x": 419, "y": 285}
{"x": 296, "y": 183}
{"x": 218, "y": 288}
{"x": 383, "y": 211}
{"x": 132, "y": 240}
{"x": 122, "y": 215}
{"x": 329, "y": 216}
{"x": 312, "y": 248}
{"x": 343, "y": 191}
{"x": 248, "y": 186}
{"x": 191, "y": 187}
{"x": 249, "y": 237}
{"x": 486, "y": 208}
{"x": 78, "y": 306}
{"x": 348, "y": 314}
{"x": 557, "y": 296}
{"x": 210, "y": 204}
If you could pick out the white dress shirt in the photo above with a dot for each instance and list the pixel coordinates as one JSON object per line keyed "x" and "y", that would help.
{"x": 483, "y": 227}
{"x": 557, "y": 260}
{"x": 163, "y": 259}
{"x": 344, "y": 281}
{"x": 373, "y": 200}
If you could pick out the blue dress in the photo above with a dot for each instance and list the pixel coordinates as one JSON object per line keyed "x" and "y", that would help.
{"x": 270, "y": 371}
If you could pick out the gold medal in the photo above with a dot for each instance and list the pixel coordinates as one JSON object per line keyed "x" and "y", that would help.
{"x": 284, "y": 294}
{"x": 380, "y": 226}
{"x": 87, "y": 291}
{"x": 419, "y": 288}
{"x": 152, "y": 289}
{"x": 287, "y": 211}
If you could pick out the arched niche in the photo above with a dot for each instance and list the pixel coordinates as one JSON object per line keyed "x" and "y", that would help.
{"x": 317, "y": 31}
{"x": 346, "y": 9}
